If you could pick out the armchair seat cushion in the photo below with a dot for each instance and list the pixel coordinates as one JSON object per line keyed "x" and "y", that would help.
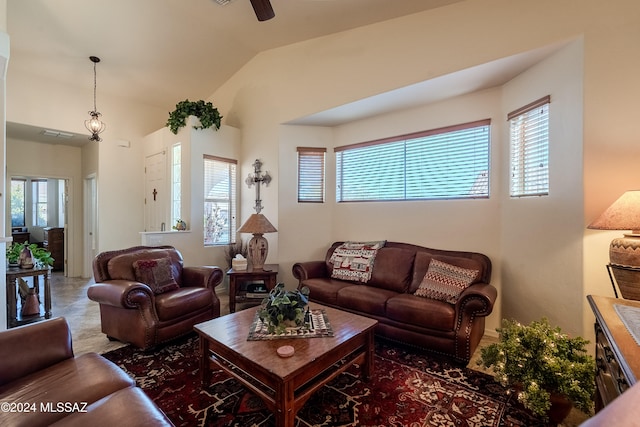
{"x": 182, "y": 302}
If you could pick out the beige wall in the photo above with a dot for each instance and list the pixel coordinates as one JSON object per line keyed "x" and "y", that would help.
{"x": 288, "y": 83}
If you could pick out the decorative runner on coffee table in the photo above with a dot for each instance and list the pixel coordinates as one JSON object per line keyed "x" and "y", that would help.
{"x": 318, "y": 327}
{"x": 409, "y": 388}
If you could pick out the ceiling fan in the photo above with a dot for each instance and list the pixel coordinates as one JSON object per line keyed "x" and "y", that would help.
{"x": 262, "y": 8}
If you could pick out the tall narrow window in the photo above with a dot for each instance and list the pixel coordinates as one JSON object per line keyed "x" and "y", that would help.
{"x": 39, "y": 198}
{"x": 176, "y": 183}
{"x": 445, "y": 163}
{"x": 311, "y": 174}
{"x": 18, "y": 198}
{"x": 529, "y": 136}
{"x": 219, "y": 201}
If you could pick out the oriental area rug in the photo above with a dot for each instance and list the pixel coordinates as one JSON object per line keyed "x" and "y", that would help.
{"x": 408, "y": 389}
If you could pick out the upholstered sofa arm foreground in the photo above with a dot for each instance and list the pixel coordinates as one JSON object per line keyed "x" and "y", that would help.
{"x": 426, "y": 319}
{"x": 25, "y": 350}
{"x": 48, "y": 385}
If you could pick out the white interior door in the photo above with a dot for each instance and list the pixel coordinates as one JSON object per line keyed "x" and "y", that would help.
{"x": 90, "y": 224}
{"x": 156, "y": 197}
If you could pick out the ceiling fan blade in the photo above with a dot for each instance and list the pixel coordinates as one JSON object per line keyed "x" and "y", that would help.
{"x": 263, "y": 9}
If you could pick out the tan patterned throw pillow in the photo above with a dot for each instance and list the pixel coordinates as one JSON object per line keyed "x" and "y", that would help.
{"x": 445, "y": 282}
{"x": 156, "y": 273}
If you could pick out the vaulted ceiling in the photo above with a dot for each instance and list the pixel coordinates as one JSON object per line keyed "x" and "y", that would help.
{"x": 163, "y": 51}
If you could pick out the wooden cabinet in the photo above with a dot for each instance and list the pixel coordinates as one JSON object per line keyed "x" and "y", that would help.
{"x": 617, "y": 353}
{"x": 54, "y": 243}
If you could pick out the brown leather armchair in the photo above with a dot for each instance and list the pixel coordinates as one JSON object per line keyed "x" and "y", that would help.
{"x": 146, "y": 315}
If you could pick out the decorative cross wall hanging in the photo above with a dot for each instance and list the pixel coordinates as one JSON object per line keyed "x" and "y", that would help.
{"x": 257, "y": 179}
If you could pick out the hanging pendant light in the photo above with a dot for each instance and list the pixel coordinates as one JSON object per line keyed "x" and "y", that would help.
{"x": 94, "y": 125}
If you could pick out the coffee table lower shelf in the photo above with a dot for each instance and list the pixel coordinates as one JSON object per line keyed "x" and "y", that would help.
{"x": 285, "y": 384}
{"x": 300, "y": 395}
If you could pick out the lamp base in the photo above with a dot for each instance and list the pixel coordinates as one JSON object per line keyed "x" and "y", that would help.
{"x": 257, "y": 251}
{"x": 624, "y": 256}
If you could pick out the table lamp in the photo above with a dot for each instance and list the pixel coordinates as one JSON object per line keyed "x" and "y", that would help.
{"x": 624, "y": 252}
{"x": 257, "y": 224}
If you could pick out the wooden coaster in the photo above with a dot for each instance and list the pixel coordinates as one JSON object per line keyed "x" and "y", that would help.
{"x": 286, "y": 351}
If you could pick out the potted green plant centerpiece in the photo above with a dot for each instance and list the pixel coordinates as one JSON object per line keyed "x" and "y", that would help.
{"x": 282, "y": 308}
{"x": 41, "y": 256}
{"x": 204, "y": 111}
{"x": 540, "y": 362}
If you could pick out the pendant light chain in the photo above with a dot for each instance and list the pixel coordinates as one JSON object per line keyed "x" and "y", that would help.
{"x": 94, "y": 125}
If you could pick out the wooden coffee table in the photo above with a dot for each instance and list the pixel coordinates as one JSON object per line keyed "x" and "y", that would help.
{"x": 285, "y": 384}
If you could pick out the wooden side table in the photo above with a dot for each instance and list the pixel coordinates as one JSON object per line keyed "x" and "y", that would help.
{"x": 12, "y": 277}
{"x": 238, "y": 292}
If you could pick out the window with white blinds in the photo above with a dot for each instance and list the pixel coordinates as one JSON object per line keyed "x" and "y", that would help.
{"x": 219, "y": 201}
{"x": 529, "y": 136}
{"x": 444, "y": 163}
{"x": 311, "y": 174}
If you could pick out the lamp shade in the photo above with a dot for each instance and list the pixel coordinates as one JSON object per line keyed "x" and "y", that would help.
{"x": 624, "y": 252}
{"x": 257, "y": 224}
{"x": 623, "y": 214}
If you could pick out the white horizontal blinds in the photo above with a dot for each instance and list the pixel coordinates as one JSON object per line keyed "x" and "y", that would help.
{"x": 374, "y": 172}
{"x": 219, "y": 200}
{"x": 311, "y": 174}
{"x": 451, "y": 162}
{"x": 529, "y": 136}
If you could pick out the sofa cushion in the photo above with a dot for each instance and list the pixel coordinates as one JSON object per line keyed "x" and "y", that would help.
{"x": 354, "y": 261}
{"x": 130, "y": 406}
{"x": 392, "y": 269}
{"x": 422, "y": 312}
{"x": 365, "y": 299}
{"x": 325, "y": 290}
{"x": 445, "y": 282}
{"x": 182, "y": 302}
{"x": 157, "y": 273}
{"x": 85, "y": 378}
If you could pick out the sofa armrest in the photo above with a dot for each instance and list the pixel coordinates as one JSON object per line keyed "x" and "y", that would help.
{"x": 309, "y": 270}
{"x": 121, "y": 293}
{"x": 33, "y": 347}
{"x": 478, "y": 299}
{"x": 202, "y": 277}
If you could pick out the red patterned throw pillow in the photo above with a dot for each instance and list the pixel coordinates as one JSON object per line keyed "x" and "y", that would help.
{"x": 156, "y": 273}
{"x": 445, "y": 282}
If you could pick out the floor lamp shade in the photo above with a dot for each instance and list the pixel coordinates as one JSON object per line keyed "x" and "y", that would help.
{"x": 257, "y": 224}
{"x": 624, "y": 252}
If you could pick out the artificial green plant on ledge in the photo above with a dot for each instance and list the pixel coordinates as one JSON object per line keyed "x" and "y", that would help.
{"x": 538, "y": 359}
{"x": 204, "y": 111}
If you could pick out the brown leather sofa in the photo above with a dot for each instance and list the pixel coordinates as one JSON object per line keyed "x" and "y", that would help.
{"x": 130, "y": 311}
{"x": 453, "y": 330}
{"x": 43, "y": 384}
